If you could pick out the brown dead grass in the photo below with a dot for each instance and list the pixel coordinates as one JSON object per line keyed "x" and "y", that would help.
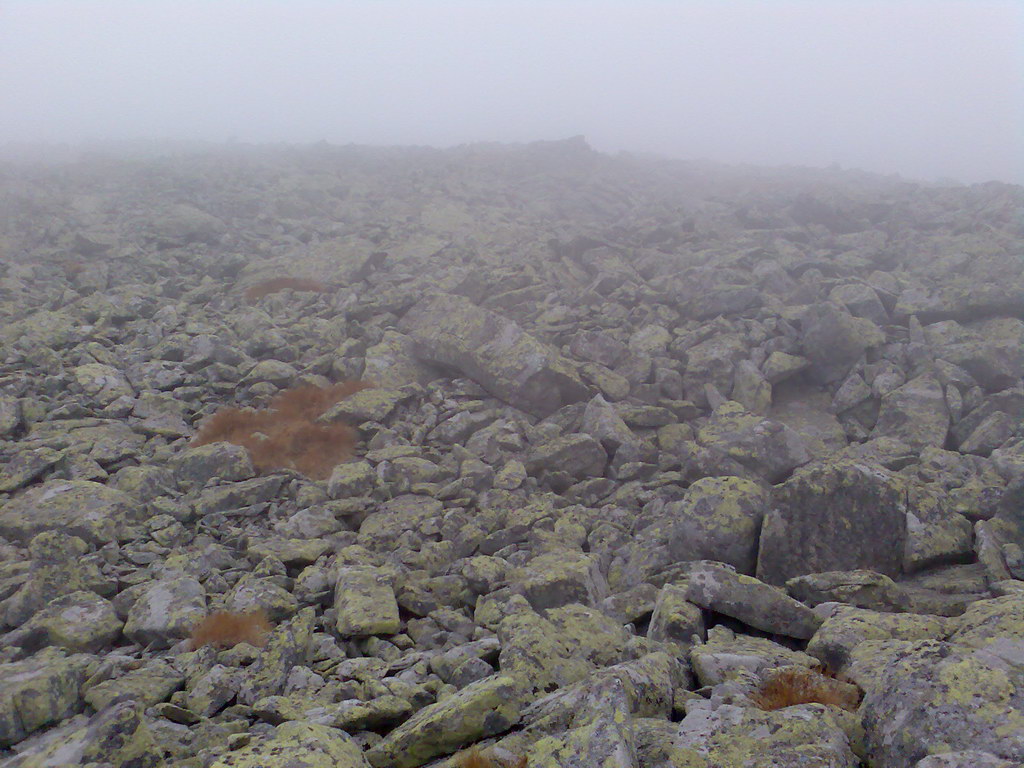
{"x": 285, "y": 435}
{"x": 263, "y": 288}
{"x": 226, "y": 629}
{"x": 474, "y": 757}
{"x": 789, "y": 686}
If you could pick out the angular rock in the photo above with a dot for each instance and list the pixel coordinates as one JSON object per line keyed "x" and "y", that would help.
{"x": 767, "y": 449}
{"x": 720, "y": 589}
{"x": 494, "y": 352}
{"x": 915, "y": 413}
{"x": 839, "y": 515}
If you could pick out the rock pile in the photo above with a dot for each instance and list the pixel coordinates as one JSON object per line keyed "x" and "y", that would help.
{"x": 643, "y": 440}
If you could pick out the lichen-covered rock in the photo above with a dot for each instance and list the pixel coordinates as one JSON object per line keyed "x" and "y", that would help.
{"x": 165, "y": 611}
{"x": 38, "y": 691}
{"x": 845, "y": 627}
{"x": 577, "y": 455}
{"x": 79, "y": 622}
{"x": 479, "y": 710}
{"x": 383, "y": 528}
{"x": 840, "y": 515}
{"x": 288, "y": 647}
{"x": 915, "y": 413}
{"x": 720, "y": 589}
{"x": 364, "y": 602}
{"x": 728, "y": 656}
{"x": 675, "y": 619}
{"x": 117, "y": 735}
{"x": 197, "y": 466}
{"x": 767, "y": 449}
{"x": 91, "y": 511}
{"x": 728, "y": 735}
{"x": 297, "y": 745}
{"x": 833, "y": 340}
{"x": 147, "y": 685}
{"x": 562, "y": 576}
{"x": 712, "y": 361}
{"x": 494, "y": 352}
{"x": 537, "y": 652}
{"x": 102, "y": 383}
{"x": 932, "y": 696}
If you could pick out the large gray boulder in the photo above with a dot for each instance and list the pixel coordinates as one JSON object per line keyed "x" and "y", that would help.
{"x": 836, "y": 516}
{"x": 495, "y": 352}
{"x": 915, "y": 413}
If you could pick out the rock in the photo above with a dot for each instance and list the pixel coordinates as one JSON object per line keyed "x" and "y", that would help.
{"x": 675, "y": 619}
{"x": 720, "y": 589}
{"x": 838, "y": 515}
{"x": 915, "y": 413}
{"x": 861, "y": 301}
{"x": 577, "y": 455}
{"x": 712, "y": 361}
{"x": 494, "y": 352}
{"x": 102, "y": 383}
{"x": 929, "y": 687}
{"x": 718, "y": 519}
{"x": 780, "y": 366}
{"x": 298, "y": 743}
{"x": 833, "y": 340}
{"x": 479, "y": 710}
{"x": 79, "y": 622}
{"x": 562, "y": 576}
{"x": 41, "y": 690}
{"x": 165, "y": 611}
{"x": 767, "y": 449}
{"x": 989, "y": 350}
{"x": 182, "y": 224}
{"x": 732, "y": 735}
{"x": 845, "y": 628}
{"x": 364, "y": 603}
{"x": 91, "y": 511}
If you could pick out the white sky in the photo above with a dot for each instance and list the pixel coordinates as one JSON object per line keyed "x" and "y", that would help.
{"x": 924, "y": 88}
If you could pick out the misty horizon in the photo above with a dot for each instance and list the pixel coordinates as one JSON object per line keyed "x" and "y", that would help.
{"x": 925, "y": 90}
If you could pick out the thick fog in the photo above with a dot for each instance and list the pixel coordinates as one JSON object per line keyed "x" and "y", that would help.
{"x": 925, "y": 89}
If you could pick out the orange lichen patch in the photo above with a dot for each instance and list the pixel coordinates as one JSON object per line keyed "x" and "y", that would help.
{"x": 789, "y": 686}
{"x": 285, "y": 436}
{"x": 226, "y": 629}
{"x": 275, "y": 284}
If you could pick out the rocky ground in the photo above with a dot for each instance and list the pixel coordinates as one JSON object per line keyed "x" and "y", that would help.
{"x": 642, "y": 436}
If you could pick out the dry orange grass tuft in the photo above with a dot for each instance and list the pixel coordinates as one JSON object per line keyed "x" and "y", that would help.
{"x": 285, "y": 435}
{"x": 474, "y": 757}
{"x": 273, "y": 285}
{"x": 310, "y": 402}
{"x": 789, "y": 686}
{"x": 226, "y": 629}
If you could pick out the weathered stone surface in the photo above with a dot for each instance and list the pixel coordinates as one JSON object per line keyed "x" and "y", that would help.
{"x": 479, "y": 710}
{"x": 309, "y": 745}
{"x": 39, "y": 691}
{"x": 165, "y": 611}
{"x": 833, "y": 340}
{"x": 720, "y": 589}
{"x": 915, "y": 413}
{"x": 91, "y": 511}
{"x": 768, "y": 449}
{"x": 494, "y": 352}
{"x": 835, "y": 516}
{"x": 928, "y": 687}
{"x": 364, "y": 602}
